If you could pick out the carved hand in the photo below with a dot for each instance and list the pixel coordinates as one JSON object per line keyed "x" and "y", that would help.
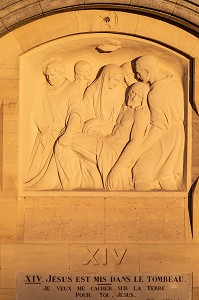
{"x": 65, "y": 140}
{"x": 110, "y": 139}
{"x": 88, "y": 125}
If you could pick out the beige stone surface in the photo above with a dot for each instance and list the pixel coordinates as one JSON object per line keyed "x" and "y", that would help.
{"x": 188, "y": 224}
{"x": 32, "y": 258}
{"x": 144, "y": 26}
{"x": 9, "y": 57}
{"x": 7, "y": 294}
{"x": 113, "y": 21}
{"x": 46, "y": 29}
{"x": 3, "y": 29}
{"x": 9, "y": 96}
{"x": 8, "y": 218}
{"x": 164, "y": 218}
{"x": 189, "y": 10}
{"x": 195, "y": 50}
{"x": 181, "y": 12}
{"x": 28, "y": 10}
{"x": 20, "y": 220}
{"x": 48, "y": 5}
{"x": 1, "y": 146}
{"x": 195, "y": 208}
{"x": 63, "y": 220}
{"x": 173, "y": 36}
{"x": 195, "y": 149}
{"x": 63, "y": 24}
{"x": 196, "y": 84}
{"x": 10, "y": 156}
{"x": 8, "y": 9}
{"x": 125, "y": 2}
{"x": 99, "y": 20}
{"x": 82, "y": 25}
{"x": 59, "y": 221}
{"x": 157, "y": 4}
{"x": 104, "y": 258}
{"x": 9, "y": 152}
{"x": 196, "y": 294}
{"x": 171, "y": 258}
{"x": 81, "y": 220}
{"x": 96, "y": 20}
{"x": 5, "y": 3}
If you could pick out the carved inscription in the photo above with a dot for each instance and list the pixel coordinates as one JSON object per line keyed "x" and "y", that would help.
{"x": 145, "y": 286}
{"x": 101, "y": 256}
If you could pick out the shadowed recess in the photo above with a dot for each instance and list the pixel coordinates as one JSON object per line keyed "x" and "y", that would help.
{"x": 190, "y": 203}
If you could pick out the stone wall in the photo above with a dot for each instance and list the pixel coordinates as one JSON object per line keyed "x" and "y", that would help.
{"x": 54, "y": 234}
{"x": 16, "y": 13}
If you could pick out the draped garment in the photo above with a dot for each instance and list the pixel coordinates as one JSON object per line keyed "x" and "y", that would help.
{"x": 102, "y": 103}
{"x": 163, "y": 162}
{"x": 110, "y": 148}
{"x": 52, "y": 110}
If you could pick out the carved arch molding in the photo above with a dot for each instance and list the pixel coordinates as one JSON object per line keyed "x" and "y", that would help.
{"x": 155, "y": 37}
{"x": 14, "y": 13}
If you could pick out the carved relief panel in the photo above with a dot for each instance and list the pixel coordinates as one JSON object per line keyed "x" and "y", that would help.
{"x": 104, "y": 112}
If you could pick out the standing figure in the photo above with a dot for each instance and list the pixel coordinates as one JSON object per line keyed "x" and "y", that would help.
{"x": 68, "y": 161}
{"x": 53, "y": 114}
{"x": 103, "y": 100}
{"x": 157, "y": 162}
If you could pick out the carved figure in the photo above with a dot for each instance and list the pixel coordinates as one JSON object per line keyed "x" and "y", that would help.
{"x": 73, "y": 171}
{"x": 133, "y": 122}
{"x": 103, "y": 100}
{"x": 76, "y": 162}
{"x": 90, "y": 137}
{"x": 56, "y": 112}
{"x": 84, "y": 75}
{"x": 129, "y": 77}
{"x": 157, "y": 162}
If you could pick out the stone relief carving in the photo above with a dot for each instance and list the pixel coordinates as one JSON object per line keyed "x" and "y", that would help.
{"x": 109, "y": 45}
{"x": 123, "y": 130}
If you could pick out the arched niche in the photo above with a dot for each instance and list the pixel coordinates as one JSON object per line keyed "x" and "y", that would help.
{"x": 75, "y": 36}
{"x": 51, "y": 30}
{"x": 72, "y": 25}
